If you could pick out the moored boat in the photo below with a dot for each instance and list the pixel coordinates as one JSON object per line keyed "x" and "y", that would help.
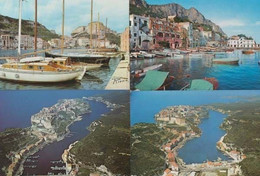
{"x": 248, "y": 52}
{"x": 142, "y": 72}
{"x": 232, "y": 61}
{"x": 39, "y": 70}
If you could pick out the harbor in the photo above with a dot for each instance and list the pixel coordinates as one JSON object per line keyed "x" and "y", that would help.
{"x": 191, "y": 67}
{"x": 85, "y": 58}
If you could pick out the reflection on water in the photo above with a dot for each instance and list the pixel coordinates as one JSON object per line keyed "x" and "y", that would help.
{"x": 94, "y": 79}
{"x": 245, "y": 76}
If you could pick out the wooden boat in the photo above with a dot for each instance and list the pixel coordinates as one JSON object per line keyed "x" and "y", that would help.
{"x": 232, "y": 61}
{"x": 199, "y": 84}
{"x": 140, "y": 73}
{"x": 84, "y": 58}
{"x": 147, "y": 55}
{"x": 39, "y": 70}
{"x": 248, "y": 52}
{"x": 155, "y": 80}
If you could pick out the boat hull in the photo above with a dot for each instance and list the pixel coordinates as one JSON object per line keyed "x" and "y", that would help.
{"x": 226, "y": 62}
{"x": 86, "y": 59}
{"x": 40, "y": 77}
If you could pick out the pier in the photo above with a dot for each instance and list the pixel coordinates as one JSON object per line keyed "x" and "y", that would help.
{"x": 120, "y": 80}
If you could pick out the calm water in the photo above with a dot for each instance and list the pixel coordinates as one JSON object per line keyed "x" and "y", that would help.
{"x": 245, "y": 76}
{"x": 144, "y": 105}
{"x": 94, "y": 79}
{"x": 16, "y": 108}
{"x": 199, "y": 150}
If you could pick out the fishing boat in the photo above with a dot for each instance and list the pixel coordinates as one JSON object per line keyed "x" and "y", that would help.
{"x": 248, "y": 52}
{"x": 37, "y": 69}
{"x": 199, "y": 84}
{"x": 232, "y": 61}
{"x": 155, "y": 80}
{"x": 142, "y": 72}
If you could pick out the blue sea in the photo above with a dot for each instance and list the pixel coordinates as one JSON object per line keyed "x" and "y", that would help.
{"x": 17, "y": 107}
{"x": 245, "y": 76}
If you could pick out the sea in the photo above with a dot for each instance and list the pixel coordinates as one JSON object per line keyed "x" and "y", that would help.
{"x": 17, "y": 107}
{"x": 144, "y": 105}
{"x": 244, "y": 76}
{"x": 93, "y": 80}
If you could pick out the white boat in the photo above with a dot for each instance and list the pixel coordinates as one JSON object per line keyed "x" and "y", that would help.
{"x": 177, "y": 56}
{"x": 42, "y": 71}
{"x": 39, "y": 69}
{"x": 147, "y": 55}
{"x": 140, "y": 73}
{"x": 196, "y": 55}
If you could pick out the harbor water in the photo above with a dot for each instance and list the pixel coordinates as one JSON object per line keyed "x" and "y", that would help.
{"x": 244, "y": 76}
{"x": 96, "y": 79}
{"x": 203, "y": 148}
{"x": 16, "y": 109}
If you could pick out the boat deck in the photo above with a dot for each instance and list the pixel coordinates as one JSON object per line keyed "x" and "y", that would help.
{"x": 120, "y": 80}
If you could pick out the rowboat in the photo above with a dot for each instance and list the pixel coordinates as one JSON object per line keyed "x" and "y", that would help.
{"x": 248, "y": 52}
{"x": 142, "y": 72}
{"x": 199, "y": 84}
{"x": 232, "y": 61}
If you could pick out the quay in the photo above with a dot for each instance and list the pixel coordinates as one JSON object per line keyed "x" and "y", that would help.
{"x": 120, "y": 79}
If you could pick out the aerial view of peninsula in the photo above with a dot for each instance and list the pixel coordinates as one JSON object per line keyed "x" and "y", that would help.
{"x": 194, "y": 45}
{"x": 64, "y": 133}
{"x": 64, "y": 44}
{"x": 195, "y": 133}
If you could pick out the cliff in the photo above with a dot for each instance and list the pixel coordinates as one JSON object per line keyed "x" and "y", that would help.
{"x": 140, "y": 7}
{"x": 9, "y": 25}
{"x": 52, "y": 122}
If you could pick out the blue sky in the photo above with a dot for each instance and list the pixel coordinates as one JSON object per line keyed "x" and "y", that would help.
{"x": 77, "y": 12}
{"x": 234, "y": 16}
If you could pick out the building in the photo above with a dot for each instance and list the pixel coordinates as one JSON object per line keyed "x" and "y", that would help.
{"x": 189, "y": 28}
{"x": 139, "y": 32}
{"x": 166, "y": 34}
{"x": 1, "y": 43}
{"x": 241, "y": 42}
{"x": 125, "y": 41}
{"x": 8, "y": 41}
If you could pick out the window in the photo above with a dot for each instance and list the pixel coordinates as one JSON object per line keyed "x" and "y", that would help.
{"x": 30, "y": 67}
{"x": 130, "y": 23}
{"x": 61, "y": 63}
{"x": 135, "y": 34}
{"x": 40, "y": 67}
{"x": 135, "y": 24}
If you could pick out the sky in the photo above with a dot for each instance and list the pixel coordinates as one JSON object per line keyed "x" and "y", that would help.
{"x": 233, "y": 16}
{"x": 77, "y": 13}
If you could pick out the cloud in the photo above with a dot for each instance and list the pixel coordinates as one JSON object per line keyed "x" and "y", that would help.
{"x": 77, "y": 12}
{"x": 230, "y": 23}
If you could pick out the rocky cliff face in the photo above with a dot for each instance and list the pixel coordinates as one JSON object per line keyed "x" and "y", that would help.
{"x": 141, "y": 7}
{"x": 9, "y": 25}
{"x": 51, "y": 123}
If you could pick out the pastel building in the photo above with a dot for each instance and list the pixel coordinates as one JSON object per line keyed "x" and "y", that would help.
{"x": 241, "y": 42}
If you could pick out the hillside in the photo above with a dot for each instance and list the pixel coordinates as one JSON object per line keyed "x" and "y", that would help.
{"x": 9, "y": 25}
{"x": 140, "y": 7}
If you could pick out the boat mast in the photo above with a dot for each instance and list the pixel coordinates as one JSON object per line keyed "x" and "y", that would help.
{"x": 20, "y": 27}
{"x": 91, "y": 25}
{"x": 98, "y": 32}
{"x": 105, "y": 34}
{"x": 62, "y": 37}
{"x": 35, "y": 29}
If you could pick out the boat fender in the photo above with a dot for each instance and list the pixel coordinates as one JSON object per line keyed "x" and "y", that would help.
{"x": 17, "y": 76}
{"x": 4, "y": 75}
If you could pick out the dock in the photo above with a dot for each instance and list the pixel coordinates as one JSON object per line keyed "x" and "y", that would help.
{"x": 120, "y": 79}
